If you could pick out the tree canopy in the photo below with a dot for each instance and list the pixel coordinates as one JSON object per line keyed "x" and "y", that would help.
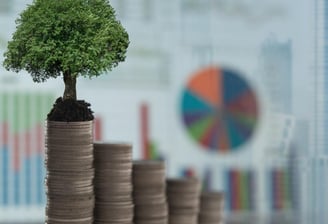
{"x": 66, "y": 37}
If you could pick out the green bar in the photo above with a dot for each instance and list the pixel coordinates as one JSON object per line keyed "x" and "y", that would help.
{"x": 16, "y": 111}
{"x": 4, "y": 107}
{"x": 243, "y": 190}
{"x": 38, "y": 107}
{"x": 49, "y": 104}
{"x": 42, "y": 104}
{"x": 247, "y": 184}
{"x": 28, "y": 122}
{"x": 45, "y": 103}
{"x": 153, "y": 151}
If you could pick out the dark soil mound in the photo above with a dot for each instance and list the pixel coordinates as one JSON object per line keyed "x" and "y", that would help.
{"x": 70, "y": 111}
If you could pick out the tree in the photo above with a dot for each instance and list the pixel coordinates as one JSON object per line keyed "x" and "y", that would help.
{"x": 71, "y": 38}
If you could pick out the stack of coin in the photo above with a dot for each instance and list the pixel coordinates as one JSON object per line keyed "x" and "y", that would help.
{"x": 149, "y": 194}
{"x": 183, "y": 199}
{"x": 70, "y": 172}
{"x": 211, "y": 208}
{"x": 113, "y": 183}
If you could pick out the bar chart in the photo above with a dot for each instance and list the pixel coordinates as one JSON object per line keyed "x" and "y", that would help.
{"x": 240, "y": 190}
{"x": 22, "y": 119}
{"x": 280, "y": 188}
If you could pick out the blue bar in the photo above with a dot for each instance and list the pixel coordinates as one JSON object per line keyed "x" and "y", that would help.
{"x": 15, "y": 148}
{"x": 251, "y": 190}
{"x": 5, "y": 181}
{"x": 228, "y": 183}
{"x": 27, "y": 148}
{"x": 231, "y": 187}
{"x": 28, "y": 188}
{"x": 207, "y": 185}
{"x": 16, "y": 188}
{"x": 40, "y": 180}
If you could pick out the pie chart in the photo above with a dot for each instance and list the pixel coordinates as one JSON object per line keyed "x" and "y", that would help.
{"x": 219, "y": 109}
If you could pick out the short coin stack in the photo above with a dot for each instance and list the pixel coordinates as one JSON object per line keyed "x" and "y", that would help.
{"x": 183, "y": 199}
{"x": 113, "y": 183}
{"x": 70, "y": 172}
{"x": 149, "y": 195}
{"x": 211, "y": 208}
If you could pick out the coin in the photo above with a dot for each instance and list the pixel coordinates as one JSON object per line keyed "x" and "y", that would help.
{"x": 70, "y": 173}
{"x": 113, "y": 183}
{"x": 149, "y": 182}
{"x": 183, "y": 196}
{"x": 211, "y": 207}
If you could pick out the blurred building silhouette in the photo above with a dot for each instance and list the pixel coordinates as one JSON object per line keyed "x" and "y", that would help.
{"x": 299, "y": 158}
{"x": 317, "y": 196}
{"x": 275, "y": 71}
{"x": 320, "y": 78}
{"x": 275, "y": 63}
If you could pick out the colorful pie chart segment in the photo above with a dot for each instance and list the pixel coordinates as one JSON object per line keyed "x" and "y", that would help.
{"x": 219, "y": 109}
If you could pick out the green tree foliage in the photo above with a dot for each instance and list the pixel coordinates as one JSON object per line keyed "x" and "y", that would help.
{"x": 66, "y": 37}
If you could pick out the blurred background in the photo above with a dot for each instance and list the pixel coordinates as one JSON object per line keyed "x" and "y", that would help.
{"x": 231, "y": 91}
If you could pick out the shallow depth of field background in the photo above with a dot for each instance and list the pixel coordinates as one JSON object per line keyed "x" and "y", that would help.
{"x": 278, "y": 46}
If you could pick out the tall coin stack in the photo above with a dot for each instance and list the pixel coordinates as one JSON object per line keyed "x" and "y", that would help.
{"x": 149, "y": 195}
{"x": 211, "y": 208}
{"x": 113, "y": 183}
{"x": 183, "y": 199}
{"x": 70, "y": 172}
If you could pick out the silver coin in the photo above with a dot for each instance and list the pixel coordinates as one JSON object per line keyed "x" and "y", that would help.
{"x": 184, "y": 185}
{"x": 183, "y": 200}
{"x": 183, "y": 219}
{"x": 162, "y": 220}
{"x": 148, "y": 165}
{"x": 151, "y": 211}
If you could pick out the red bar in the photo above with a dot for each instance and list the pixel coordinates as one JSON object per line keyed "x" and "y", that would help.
{"x": 16, "y": 157}
{"x": 235, "y": 197}
{"x": 275, "y": 190}
{"x": 5, "y": 139}
{"x": 238, "y": 189}
{"x": 280, "y": 189}
{"x": 39, "y": 139}
{"x": 98, "y": 129}
{"x": 28, "y": 151}
{"x": 144, "y": 131}
{"x": 189, "y": 172}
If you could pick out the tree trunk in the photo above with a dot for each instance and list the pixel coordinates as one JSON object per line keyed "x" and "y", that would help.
{"x": 70, "y": 86}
